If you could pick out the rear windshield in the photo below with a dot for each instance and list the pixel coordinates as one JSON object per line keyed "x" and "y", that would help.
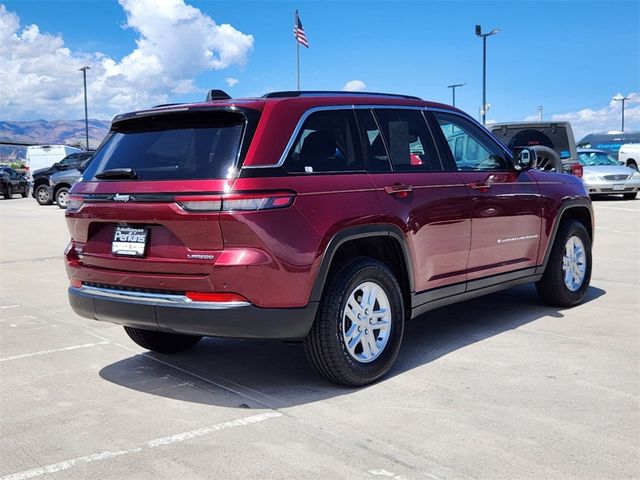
{"x": 552, "y": 136}
{"x": 173, "y": 146}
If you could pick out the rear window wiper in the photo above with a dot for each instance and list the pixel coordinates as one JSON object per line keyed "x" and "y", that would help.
{"x": 115, "y": 173}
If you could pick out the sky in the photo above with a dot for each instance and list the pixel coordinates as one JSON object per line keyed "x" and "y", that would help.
{"x": 571, "y": 57}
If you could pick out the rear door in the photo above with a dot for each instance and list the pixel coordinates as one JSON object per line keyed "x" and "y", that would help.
{"x": 506, "y": 206}
{"x": 427, "y": 203}
{"x": 158, "y": 182}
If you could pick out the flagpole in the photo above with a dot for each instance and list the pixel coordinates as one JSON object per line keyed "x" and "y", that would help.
{"x": 295, "y": 23}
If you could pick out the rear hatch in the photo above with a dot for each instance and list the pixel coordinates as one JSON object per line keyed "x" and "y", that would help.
{"x": 149, "y": 200}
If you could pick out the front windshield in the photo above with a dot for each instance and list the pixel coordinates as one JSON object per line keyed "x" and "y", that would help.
{"x": 590, "y": 159}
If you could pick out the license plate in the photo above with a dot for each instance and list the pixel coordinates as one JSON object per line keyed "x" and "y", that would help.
{"x": 618, "y": 187}
{"x": 129, "y": 241}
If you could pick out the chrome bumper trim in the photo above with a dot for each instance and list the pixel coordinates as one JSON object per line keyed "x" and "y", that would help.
{"x": 154, "y": 298}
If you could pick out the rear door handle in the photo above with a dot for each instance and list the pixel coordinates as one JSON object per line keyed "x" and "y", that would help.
{"x": 398, "y": 189}
{"x": 482, "y": 186}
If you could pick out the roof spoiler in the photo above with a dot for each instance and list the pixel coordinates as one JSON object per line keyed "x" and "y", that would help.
{"x": 217, "y": 95}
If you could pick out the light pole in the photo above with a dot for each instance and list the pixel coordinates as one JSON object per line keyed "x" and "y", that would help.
{"x": 483, "y": 109}
{"x": 453, "y": 91}
{"x": 86, "y": 114}
{"x": 623, "y": 99}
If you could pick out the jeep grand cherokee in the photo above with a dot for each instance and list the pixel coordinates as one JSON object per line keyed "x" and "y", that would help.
{"x": 321, "y": 216}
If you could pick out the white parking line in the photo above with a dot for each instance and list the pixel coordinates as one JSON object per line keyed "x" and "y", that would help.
{"x": 620, "y": 208}
{"x": 54, "y": 350}
{"x": 158, "y": 442}
{"x": 10, "y": 306}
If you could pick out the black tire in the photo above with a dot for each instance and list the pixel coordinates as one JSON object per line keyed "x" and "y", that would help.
{"x": 325, "y": 345}
{"x": 161, "y": 342}
{"x": 547, "y": 159}
{"x": 25, "y": 192}
{"x": 61, "y": 197}
{"x": 551, "y": 287}
{"x": 42, "y": 195}
{"x": 630, "y": 196}
{"x": 632, "y": 164}
{"x": 8, "y": 194}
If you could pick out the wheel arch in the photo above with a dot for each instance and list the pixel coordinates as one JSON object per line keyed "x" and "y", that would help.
{"x": 58, "y": 187}
{"x": 381, "y": 241}
{"x": 575, "y": 209}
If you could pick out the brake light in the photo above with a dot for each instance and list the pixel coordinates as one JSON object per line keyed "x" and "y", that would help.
{"x": 235, "y": 202}
{"x": 200, "y": 203}
{"x": 75, "y": 202}
{"x": 215, "y": 297}
{"x": 577, "y": 170}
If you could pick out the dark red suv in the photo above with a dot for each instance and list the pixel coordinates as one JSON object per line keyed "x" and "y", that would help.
{"x": 322, "y": 216}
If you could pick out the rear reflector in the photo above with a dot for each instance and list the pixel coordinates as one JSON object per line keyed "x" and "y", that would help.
{"x": 576, "y": 169}
{"x": 235, "y": 202}
{"x": 215, "y": 297}
{"x": 75, "y": 283}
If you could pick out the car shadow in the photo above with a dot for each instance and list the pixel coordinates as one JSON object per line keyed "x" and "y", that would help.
{"x": 256, "y": 373}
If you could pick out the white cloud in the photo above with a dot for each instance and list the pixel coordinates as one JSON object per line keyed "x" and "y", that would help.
{"x": 587, "y": 120}
{"x": 175, "y": 43}
{"x": 354, "y": 86}
{"x": 232, "y": 81}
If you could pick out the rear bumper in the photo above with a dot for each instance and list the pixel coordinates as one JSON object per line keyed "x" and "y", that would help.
{"x": 175, "y": 314}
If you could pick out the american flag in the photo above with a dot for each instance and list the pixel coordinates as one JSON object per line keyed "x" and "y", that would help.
{"x": 298, "y": 32}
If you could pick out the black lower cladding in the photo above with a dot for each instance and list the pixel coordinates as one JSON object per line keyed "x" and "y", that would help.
{"x": 237, "y": 322}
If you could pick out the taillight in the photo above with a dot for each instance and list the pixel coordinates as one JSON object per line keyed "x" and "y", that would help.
{"x": 75, "y": 202}
{"x": 200, "y": 203}
{"x": 256, "y": 201}
{"x": 215, "y": 297}
{"x": 577, "y": 170}
{"x": 235, "y": 202}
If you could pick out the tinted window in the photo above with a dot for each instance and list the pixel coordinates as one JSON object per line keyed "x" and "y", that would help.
{"x": 472, "y": 149}
{"x": 408, "y": 140}
{"x": 173, "y": 147}
{"x": 327, "y": 142}
{"x": 375, "y": 151}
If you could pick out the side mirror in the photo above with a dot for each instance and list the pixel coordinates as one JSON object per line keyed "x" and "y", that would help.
{"x": 524, "y": 159}
{"x": 56, "y": 165}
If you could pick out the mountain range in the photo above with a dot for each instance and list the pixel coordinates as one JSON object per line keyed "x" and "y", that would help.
{"x": 48, "y": 132}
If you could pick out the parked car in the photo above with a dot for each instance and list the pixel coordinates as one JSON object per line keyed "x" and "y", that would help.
{"x": 629, "y": 155}
{"x": 327, "y": 217}
{"x": 553, "y": 143}
{"x": 41, "y": 191}
{"x": 61, "y": 182}
{"x": 603, "y": 174}
{"x": 12, "y": 182}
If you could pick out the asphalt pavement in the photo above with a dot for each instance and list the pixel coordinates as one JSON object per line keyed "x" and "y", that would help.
{"x": 496, "y": 387}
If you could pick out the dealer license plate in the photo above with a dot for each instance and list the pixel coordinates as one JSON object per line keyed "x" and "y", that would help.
{"x": 129, "y": 241}
{"x": 618, "y": 187}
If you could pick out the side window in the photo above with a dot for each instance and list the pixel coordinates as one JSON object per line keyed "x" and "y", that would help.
{"x": 472, "y": 149}
{"x": 327, "y": 142}
{"x": 408, "y": 140}
{"x": 375, "y": 151}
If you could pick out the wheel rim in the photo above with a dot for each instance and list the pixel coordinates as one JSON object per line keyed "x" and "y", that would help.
{"x": 62, "y": 198}
{"x": 574, "y": 263}
{"x": 366, "y": 322}
{"x": 43, "y": 195}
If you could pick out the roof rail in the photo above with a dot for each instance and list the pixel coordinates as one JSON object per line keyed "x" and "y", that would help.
{"x": 305, "y": 93}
